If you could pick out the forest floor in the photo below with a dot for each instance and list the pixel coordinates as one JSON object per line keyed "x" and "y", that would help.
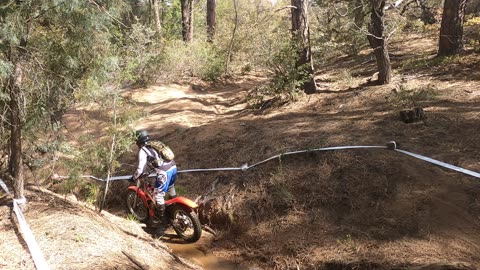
{"x": 348, "y": 209}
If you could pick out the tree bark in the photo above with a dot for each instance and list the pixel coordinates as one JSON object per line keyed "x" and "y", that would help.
{"x": 451, "y": 30}
{"x": 187, "y": 20}
{"x": 232, "y": 40}
{"x": 378, "y": 42}
{"x": 16, "y": 124}
{"x": 16, "y": 55}
{"x": 301, "y": 37}
{"x": 211, "y": 19}
{"x": 156, "y": 16}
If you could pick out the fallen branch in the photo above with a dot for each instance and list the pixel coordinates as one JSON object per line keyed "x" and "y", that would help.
{"x": 210, "y": 230}
{"x": 135, "y": 261}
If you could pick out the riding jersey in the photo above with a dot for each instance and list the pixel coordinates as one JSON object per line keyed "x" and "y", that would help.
{"x": 166, "y": 170}
{"x": 143, "y": 158}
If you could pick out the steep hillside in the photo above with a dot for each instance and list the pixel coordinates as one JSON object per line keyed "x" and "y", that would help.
{"x": 73, "y": 236}
{"x": 355, "y": 209}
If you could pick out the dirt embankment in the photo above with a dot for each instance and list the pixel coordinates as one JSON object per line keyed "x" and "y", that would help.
{"x": 349, "y": 209}
{"x": 73, "y": 236}
{"x": 352, "y": 209}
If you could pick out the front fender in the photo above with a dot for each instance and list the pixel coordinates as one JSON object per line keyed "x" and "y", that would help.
{"x": 140, "y": 193}
{"x": 134, "y": 188}
{"x": 182, "y": 200}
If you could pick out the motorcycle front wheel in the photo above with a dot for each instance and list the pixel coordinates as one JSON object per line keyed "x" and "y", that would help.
{"x": 136, "y": 207}
{"x": 186, "y": 224}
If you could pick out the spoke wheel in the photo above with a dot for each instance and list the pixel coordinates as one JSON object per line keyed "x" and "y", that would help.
{"x": 186, "y": 224}
{"x": 136, "y": 207}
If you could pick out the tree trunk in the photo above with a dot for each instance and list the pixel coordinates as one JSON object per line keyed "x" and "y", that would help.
{"x": 451, "y": 31}
{"x": 16, "y": 55}
{"x": 301, "y": 36}
{"x": 156, "y": 16}
{"x": 378, "y": 42}
{"x": 187, "y": 20}
{"x": 211, "y": 19}
{"x": 16, "y": 124}
{"x": 232, "y": 40}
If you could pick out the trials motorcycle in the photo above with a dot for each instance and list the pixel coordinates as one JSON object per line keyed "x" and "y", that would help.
{"x": 179, "y": 211}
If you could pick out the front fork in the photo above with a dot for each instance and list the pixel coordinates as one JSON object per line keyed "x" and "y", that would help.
{"x": 145, "y": 197}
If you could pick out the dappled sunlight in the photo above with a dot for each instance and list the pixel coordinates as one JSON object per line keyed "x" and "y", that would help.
{"x": 157, "y": 94}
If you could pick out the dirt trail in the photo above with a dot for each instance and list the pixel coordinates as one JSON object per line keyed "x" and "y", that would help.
{"x": 336, "y": 210}
{"x": 348, "y": 209}
{"x": 173, "y": 109}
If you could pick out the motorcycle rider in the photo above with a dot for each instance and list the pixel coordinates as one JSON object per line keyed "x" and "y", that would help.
{"x": 166, "y": 172}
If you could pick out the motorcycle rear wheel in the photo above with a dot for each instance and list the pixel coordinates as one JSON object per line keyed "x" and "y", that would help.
{"x": 139, "y": 210}
{"x": 186, "y": 224}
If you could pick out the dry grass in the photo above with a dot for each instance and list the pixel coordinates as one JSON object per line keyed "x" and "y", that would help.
{"x": 72, "y": 236}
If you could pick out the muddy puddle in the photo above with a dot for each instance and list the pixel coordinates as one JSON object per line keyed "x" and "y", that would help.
{"x": 204, "y": 259}
{"x": 200, "y": 254}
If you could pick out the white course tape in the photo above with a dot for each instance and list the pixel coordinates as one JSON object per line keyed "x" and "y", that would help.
{"x": 390, "y": 145}
{"x": 35, "y": 251}
{"x": 315, "y": 150}
{"x": 4, "y": 187}
{"x": 440, "y": 163}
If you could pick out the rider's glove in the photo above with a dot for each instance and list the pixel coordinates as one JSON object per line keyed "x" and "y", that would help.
{"x": 131, "y": 179}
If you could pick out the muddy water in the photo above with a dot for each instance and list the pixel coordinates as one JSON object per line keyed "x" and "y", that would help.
{"x": 199, "y": 254}
{"x": 202, "y": 258}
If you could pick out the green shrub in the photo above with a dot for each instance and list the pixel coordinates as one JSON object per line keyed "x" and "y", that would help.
{"x": 92, "y": 193}
{"x": 407, "y": 96}
{"x": 198, "y": 59}
{"x": 286, "y": 78}
{"x": 416, "y": 26}
{"x": 141, "y": 56}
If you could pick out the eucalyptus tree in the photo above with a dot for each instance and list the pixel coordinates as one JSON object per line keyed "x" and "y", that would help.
{"x": 451, "y": 30}
{"x": 187, "y": 20}
{"x": 301, "y": 38}
{"x": 211, "y": 19}
{"x": 49, "y": 51}
{"x": 378, "y": 41}
{"x": 156, "y": 15}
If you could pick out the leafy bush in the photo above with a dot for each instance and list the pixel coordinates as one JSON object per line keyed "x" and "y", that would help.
{"x": 141, "y": 56}
{"x": 285, "y": 79}
{"x": 473, "y": 35}
{"x": 416, "y": 26}
{"x": 406, "y": 96}
{"x": 199, "y": 59}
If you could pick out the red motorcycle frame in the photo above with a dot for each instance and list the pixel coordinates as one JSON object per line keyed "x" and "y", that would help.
{"x": 180, "y": 211}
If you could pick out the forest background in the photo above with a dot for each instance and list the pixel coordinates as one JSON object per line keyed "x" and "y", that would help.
{"x": 58, "y": 55}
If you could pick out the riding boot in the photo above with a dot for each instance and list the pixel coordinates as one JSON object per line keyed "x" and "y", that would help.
{"x": 162, "y": 223}
{"x": 160, "y": 212}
